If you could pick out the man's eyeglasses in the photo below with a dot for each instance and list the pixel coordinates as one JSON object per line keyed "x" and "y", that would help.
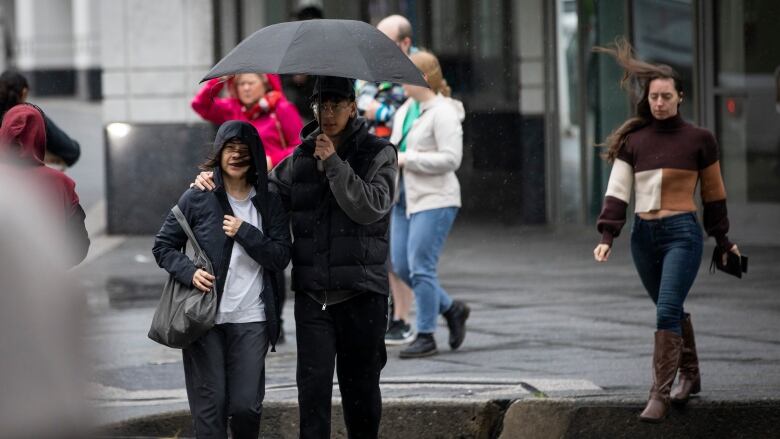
{"x": 330, "y": 108}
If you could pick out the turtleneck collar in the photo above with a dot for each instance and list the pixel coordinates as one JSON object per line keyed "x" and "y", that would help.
{"x": 668, "y": 124}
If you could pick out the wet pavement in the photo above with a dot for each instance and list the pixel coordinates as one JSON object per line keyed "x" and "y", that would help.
{"x": 546, "y": 321}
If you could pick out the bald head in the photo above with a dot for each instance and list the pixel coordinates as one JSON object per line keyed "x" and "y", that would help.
{"x": 398, "y": 29}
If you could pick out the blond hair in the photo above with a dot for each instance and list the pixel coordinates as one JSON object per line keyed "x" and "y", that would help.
{"x": 429, "y": 65}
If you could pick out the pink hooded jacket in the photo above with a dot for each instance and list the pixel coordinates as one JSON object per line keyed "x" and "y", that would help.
{"x": 22, "y": 147}
{"x": 275, "y": 118}
{"x": 23, "y": 138}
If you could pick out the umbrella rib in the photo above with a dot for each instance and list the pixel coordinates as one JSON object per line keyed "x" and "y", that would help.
{"x": 356, "y": 49}
{"x": 287, "y": 51}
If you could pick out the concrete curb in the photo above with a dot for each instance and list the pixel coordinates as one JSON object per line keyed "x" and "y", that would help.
{"x": 591, "y": 419}
{"x": 417, "y": 419}
{"x": 524, "y": 418}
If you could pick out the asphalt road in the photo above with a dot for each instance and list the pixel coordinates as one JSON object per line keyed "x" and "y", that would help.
{"x": 545, "y": 319}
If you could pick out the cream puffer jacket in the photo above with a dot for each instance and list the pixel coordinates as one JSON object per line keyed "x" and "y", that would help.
{"x": 434, "y": 148}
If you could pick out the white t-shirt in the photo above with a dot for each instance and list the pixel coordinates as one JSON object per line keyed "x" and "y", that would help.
{"x": 241, "y": 302}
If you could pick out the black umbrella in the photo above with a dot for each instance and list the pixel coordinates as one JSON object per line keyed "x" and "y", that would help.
{"x": 345, "y": 48}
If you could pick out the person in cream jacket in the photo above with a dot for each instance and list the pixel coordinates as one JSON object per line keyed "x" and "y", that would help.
{"x": 427, "y": 130}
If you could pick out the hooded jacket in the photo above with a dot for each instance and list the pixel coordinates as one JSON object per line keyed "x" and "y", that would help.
{"x": 340, "y": 215}
{"x": 204, "y": 210}
{"x": 23, "y": 145}
{"x": 276, "y": 119}
{"x": 434, "y": 149}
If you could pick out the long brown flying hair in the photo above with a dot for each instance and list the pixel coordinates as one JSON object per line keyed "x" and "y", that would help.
{"x": 636, "y": 73}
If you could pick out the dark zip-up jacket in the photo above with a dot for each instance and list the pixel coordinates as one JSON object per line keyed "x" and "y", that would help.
{"x": 340, "y": 215}
{"x": 61, "y": 144}
{"x": 269, "y": 247}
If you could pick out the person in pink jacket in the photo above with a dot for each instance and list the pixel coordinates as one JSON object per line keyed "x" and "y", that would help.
{"x": 257, "y": 99}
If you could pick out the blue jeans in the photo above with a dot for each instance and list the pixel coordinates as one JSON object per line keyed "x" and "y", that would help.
{"x": 667, "y": 254}
{"x": 415, "y": 245}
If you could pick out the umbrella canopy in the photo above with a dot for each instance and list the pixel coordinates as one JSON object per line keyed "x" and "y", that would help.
{"x": 345, "y": 48}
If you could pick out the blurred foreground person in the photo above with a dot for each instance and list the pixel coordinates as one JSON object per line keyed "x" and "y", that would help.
{"x": 41, "y": 372}
{"x": 244, "y": 231}
{"x": 22, "y": 150}
{"x": 427, "y": 129}
{"x": 661, "y": 158}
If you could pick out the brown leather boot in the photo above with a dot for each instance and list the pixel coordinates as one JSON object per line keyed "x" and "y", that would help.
{"x": 689, "y": 380}
{"x": 666, "y": 359}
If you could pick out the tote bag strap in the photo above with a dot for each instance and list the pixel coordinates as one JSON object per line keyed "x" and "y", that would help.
{"x": 186, "y": 227}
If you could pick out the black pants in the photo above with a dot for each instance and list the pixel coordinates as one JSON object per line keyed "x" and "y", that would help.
{"x": 351, "y": 333}
{"x": 225, "y": 375}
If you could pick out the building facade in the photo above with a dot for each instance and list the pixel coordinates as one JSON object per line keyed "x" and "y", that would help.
{"x": 537, "y": 98}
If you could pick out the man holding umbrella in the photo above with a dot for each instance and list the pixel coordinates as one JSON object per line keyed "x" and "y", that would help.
{"x": 339, "y": 186}
{"x": 340, "y": 219}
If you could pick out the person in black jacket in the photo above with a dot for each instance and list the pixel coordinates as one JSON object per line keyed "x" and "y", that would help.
{"x": 339, "y": 185}
{"x": 61, "y": 150}
{"x": 244, "y": 230}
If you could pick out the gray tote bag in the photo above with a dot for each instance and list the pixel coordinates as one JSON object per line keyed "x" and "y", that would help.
{"x": 184, "y": 312}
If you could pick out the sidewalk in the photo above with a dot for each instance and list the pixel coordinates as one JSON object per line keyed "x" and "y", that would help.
{"x": 568, "y": 341}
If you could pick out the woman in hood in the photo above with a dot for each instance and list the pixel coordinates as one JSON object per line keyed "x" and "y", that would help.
{"x": 23, "y": 148}
{"x": 244, "y": 231}
{"x": 61, "y": 151}
{"x": 427, "y": 129}
{"x": 257, "y": 99}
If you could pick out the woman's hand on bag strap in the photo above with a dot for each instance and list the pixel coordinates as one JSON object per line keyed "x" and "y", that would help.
{"x": 202, "y": 280}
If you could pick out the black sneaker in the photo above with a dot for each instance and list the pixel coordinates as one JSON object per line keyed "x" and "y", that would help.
{"x": 422, "y": 346}
{"x": 399, "y": 333}
{"x": 456, "y": 320}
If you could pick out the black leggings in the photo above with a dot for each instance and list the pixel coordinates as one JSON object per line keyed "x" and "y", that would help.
{"x": 225, "y": 375}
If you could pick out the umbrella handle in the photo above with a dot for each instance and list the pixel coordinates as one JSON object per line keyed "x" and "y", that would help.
{"x": 318, "y": 116}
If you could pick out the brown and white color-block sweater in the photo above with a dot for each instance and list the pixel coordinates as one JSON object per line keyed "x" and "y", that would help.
{"x": 663, "y": 161}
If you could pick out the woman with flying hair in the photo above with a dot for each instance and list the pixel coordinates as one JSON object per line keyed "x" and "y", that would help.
{"x": 661, "y": 158}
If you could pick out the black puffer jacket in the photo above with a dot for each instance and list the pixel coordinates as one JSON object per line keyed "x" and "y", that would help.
{"x": 340, "y": 215}
{"x": 204, "y": 212}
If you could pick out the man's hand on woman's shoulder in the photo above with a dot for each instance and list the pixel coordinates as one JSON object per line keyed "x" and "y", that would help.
{"x": 204, "y": 181}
